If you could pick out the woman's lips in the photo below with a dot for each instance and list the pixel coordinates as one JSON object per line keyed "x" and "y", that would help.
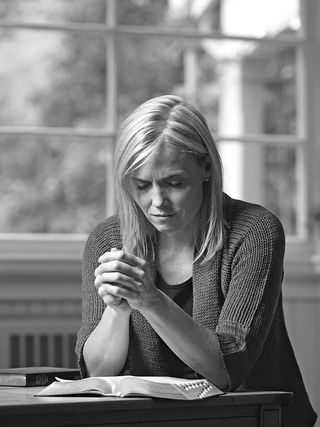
{"x": 163, "y": 215}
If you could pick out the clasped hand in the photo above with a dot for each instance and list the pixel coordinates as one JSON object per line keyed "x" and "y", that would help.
{"x": 122, "y": 278}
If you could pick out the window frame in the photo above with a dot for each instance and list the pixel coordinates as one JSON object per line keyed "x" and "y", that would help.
{"x": 303, "y": 255}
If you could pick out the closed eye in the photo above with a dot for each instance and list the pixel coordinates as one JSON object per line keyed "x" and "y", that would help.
{"x": 142, "y": 186}
{"x": 175, "y": 184}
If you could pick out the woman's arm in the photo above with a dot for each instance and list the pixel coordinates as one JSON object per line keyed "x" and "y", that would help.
{"x": 126, "y": 276}
{"x": 196, "y": 346}
{"x": 105, "y": 350}
{"x": 103, "y": 337}
{"x": 252, "y": 295}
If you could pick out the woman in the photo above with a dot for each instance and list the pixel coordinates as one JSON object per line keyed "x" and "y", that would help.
{"x": 185, "y": 281}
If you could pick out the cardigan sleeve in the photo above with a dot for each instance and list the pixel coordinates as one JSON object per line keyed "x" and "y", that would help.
{"x": 252, "y": 296}
{"x": 102, "y": 239}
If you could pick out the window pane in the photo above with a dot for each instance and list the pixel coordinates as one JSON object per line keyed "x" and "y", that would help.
{"x": 268, "y": 175}
{"x": 247, "y": 88}
{"x": 260, "y": 18}
{"x": 281, "y": 186}
{"x": 241, "y": 87}
{"x": 280, "y": 107}
{"x": 52, "y": 79}
{"x": 156, "y": 68}
{"x": 142, "y": 12}
{"x": 51, "y": 184}
{"x": 182, "y": 14}
{"x": 242, "y": 17}
{"x": 50, "y": 11}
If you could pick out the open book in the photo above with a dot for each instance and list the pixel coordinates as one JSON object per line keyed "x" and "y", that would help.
{"x": 127, "y": 385}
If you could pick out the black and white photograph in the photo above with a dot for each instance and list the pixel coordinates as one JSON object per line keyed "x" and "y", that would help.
{"x": 160, "y": 213}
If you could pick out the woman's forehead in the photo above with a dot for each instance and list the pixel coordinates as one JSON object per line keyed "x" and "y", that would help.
{"x": 168, "y": 162}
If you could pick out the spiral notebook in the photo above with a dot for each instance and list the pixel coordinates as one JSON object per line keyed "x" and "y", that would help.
{"x": 127, "y": 385}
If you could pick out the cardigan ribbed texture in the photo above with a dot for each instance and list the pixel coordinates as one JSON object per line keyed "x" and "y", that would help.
{"x": 237, "y": 296}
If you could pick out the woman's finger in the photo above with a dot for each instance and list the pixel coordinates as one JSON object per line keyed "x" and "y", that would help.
{"x": 116, "y": 291}
{"x": 120, "y": 279}
{"x": 115, "y": 254}
{"x": 120, "y": 267}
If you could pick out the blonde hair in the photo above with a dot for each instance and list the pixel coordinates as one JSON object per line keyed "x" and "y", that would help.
{"x": 169, "y": 120}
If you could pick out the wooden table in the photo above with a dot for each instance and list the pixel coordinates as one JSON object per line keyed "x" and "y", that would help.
{"x": 19, "y": 407}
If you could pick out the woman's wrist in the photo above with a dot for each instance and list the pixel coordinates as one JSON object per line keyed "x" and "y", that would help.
{"x": 121, "y": 307}
{"x": 156, "y": 304}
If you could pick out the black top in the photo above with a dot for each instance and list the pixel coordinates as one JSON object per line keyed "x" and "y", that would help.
{"x": 182, "y": 295}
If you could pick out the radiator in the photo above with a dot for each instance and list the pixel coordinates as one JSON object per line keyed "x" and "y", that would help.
{"x": 55, "y": 349}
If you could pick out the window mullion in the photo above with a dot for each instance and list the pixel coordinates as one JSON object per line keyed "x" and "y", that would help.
{"x": 311, "y": 21}
{"x": 111, "y": 97}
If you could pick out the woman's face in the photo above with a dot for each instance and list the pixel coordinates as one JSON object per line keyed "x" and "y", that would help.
{"x": 169, "y": 191}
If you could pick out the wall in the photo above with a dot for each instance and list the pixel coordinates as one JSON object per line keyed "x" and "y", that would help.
{"x": 302, "y": 311}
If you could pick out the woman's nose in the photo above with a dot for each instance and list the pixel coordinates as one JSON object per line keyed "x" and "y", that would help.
{"x": 158, "y": 196}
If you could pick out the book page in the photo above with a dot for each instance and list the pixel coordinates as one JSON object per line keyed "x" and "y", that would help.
{"x": 91, "y": 385}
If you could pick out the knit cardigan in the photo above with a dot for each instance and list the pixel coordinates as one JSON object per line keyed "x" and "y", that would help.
{"x": 236, "y": 296}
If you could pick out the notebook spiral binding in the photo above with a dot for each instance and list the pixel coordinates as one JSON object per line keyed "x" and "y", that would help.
{"x": 204, "y": 387}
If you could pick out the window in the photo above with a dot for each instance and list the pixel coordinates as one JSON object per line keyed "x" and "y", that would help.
{"x": 72, "y": 70}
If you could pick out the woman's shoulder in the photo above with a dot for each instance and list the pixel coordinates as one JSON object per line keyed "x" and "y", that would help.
{"x": 108, "y": 225}
{"x": 106, "y": 234}
{"x": 243, "y": 217}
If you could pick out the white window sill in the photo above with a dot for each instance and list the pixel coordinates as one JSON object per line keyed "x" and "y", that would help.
{"x": 31, "y": 247}
{"x": 301, "y": 263}
{"x": 28, "y": 256}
